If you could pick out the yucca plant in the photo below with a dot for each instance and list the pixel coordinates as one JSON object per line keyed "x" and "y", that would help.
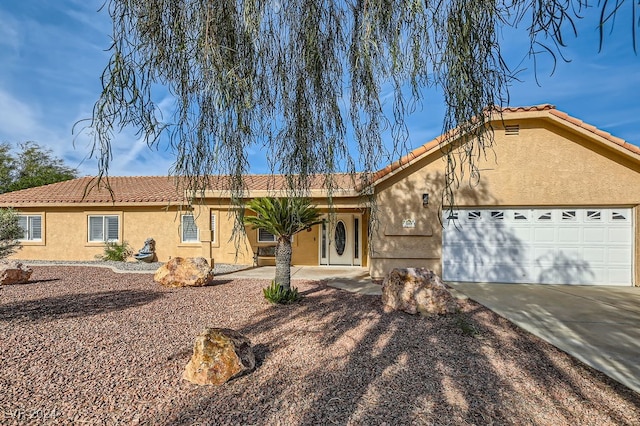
{"x": 282, "y": 217}
{"x": 276, "y": 293}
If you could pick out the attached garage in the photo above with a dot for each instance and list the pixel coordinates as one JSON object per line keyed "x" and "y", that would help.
{"x": 556, "y": 201}
{"x": 539, "y": 245}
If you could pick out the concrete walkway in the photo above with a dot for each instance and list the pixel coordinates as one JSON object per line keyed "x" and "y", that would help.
{"x": 350, "y": 278}
{"x": 598, "y": 325}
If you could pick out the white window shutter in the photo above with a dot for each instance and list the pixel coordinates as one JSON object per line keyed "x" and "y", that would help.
{"x": 213, "y": 227}
{"x": 23, "y": 223}
{"x": 96, "y": 229}
{"x": 111, "y": 223}
{"x": 189, "y": 229}
{"x": 35, "y": 230}
{"x": 265, "y": 236}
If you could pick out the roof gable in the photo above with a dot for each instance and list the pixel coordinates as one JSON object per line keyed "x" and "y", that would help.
{"x": 161, "y": 190}
{"x": 544, "y": 111}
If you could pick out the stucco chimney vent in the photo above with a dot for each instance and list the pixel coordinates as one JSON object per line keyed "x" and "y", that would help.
{"x": 512, "y": 130}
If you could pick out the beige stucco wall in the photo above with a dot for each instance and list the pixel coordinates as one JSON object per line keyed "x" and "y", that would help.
{"x": 304, "y": 245}
{"x": 637, "y": 247}
{"x": 65, "y": 234}
{"x": 546, "y": 164}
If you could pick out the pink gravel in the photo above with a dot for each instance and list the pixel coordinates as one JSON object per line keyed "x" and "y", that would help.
{"x": 83, "y": 345}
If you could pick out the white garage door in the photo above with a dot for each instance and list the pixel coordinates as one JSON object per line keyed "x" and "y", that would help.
{"x": 550, "y": 246}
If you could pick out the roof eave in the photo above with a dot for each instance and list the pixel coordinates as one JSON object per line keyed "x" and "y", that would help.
{"x": 89, "y": 204}
{"x": 314, "y": 193}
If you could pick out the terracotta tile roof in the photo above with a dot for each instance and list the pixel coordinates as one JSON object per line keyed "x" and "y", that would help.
{"x": 266, "y": 182}
{"x": 141, "y": 190}
{"x": 550, "y": 109}
{"x": 593, "y": 129}
{"x": 134, "y": 189}
{"x": 162, "y": 189}
{"x": 541, "y": 107}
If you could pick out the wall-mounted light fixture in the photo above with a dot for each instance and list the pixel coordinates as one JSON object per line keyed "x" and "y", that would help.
{"x": 425, "y": 200}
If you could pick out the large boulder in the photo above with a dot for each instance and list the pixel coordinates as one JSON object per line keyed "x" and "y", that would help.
{"x": 184, "y": 272}
{"x": 417, "y": 290}
{"x": 219, "y": 355}
{"x": 14, "y": 272}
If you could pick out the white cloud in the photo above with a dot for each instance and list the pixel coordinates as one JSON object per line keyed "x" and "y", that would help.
{"x": 53, "y": 56}
{"x": 22, "y": 122}
{"x": 88, "y": 13}
{"x": 9, "y": 33}
{"x": 17, "y": 118}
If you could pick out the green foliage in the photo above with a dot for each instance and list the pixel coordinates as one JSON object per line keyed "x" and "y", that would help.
{"x": 317, "y": 84}
{"x": 282, "y": 217}
{"x": 277, "y": 294}
{"x": 7, "y": 167}
{"x": 249, "y": 74}
{"x": 466, "y": 326}
{"x": 10, "y": 232}
{"x": 31, "y": 166}
{"x": 116, "y": 252}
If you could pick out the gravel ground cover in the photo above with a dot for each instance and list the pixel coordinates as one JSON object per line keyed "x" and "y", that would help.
{"x": 85, "y": 345}
{"x": 137, "y": 267}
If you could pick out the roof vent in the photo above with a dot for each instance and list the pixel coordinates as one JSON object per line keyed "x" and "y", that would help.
{"x": 512, "y": 130}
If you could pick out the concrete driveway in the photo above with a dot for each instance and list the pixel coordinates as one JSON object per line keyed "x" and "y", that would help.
{"x": 598, "y": 325}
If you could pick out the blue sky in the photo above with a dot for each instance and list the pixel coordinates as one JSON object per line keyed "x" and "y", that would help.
{"x": 53, "y": 53}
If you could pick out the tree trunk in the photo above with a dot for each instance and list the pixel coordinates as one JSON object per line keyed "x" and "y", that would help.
{"x": 283, "y": 262}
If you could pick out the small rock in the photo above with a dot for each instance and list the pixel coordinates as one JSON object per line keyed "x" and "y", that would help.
{"x": 14, "y": 272}
{"x": 219, "y": 355}
{"x": 417, "y": 290}
{"x": 184, "y": 272}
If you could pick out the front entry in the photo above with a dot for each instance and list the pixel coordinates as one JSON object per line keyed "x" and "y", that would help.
{"x": 340, "y": 240}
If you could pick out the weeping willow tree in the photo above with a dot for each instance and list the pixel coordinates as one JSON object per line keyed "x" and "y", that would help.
{"x": 300, "y": 79}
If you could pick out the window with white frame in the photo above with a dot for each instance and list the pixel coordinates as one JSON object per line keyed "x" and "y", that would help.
{"x": 190, "y": 232}
{"x": 266, "y": 236}
{"x": 103, "y": 228}
{"x": 213, "y": 227}
{"x": 32, "y": 227}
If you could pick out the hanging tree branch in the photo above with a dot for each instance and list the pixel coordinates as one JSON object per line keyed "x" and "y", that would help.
{"x": 302, "y": 79}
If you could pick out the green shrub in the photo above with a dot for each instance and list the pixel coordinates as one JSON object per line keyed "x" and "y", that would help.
{"x": 116, "y": 252}
{"x": 10, "y": 233}
{"x": 275, "y": 293}
{"x": 466, "y": 325}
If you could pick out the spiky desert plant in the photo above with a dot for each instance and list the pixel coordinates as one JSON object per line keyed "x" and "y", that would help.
{"x": 282, "y": 217}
